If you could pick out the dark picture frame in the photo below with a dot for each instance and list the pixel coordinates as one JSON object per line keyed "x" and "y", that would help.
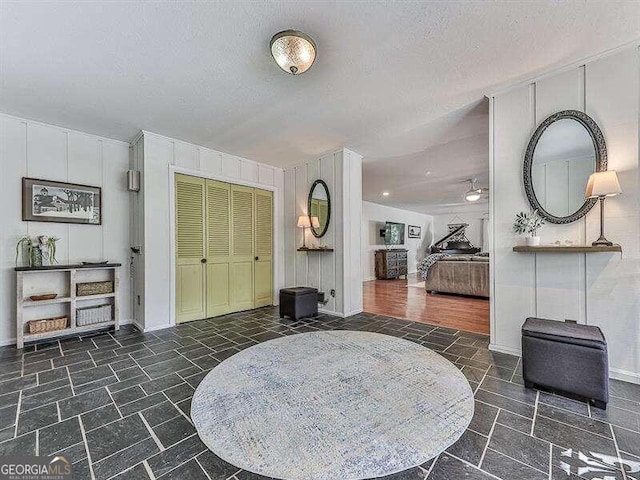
{"x": 414, "y": 231}
{"x": 60, "y": 202}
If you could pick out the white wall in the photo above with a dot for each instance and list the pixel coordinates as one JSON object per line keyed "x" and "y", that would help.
{"x": 162, "y": 156}
{"x": 339, "y": 270}
{"x": 598, "y": 289}
{"x": 474, "y": 230}
{"x": 374, "y": 217}
{"x": 32, "y": 149}
{"x": 352, "y": 232}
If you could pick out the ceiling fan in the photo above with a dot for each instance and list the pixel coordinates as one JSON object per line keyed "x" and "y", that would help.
{"x": 474, "y": 193}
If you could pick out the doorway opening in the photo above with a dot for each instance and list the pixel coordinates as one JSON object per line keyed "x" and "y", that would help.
{"x": 425, "y": 226}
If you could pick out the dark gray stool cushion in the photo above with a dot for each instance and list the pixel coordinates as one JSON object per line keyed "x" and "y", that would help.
{"x": 298, "y": 302}
{"x": 567, "y": 357}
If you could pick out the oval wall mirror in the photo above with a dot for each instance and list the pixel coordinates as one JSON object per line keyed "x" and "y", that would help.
{"x": 319, "y": 208}
{"x": 563, "y": 152}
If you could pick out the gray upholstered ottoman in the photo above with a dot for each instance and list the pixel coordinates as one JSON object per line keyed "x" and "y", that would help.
{"x": 567, "y": 357}
{"x": 298, "y": 302}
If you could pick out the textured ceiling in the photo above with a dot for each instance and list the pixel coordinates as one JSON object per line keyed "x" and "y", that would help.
{"x": 202, "y": 72}
{"x": 434, "y": 180}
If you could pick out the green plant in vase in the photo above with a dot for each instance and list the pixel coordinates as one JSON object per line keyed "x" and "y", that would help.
{"x": 48, "y": 245}
{"x": 32, "y": 252}
{"x": 528, "y": 222}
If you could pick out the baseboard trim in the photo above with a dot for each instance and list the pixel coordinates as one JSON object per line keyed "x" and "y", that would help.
{"x": 624, "y": 375}
{"x": 338, "y": 314}
{"x": 502, "y": 349}
{"x": 156, "y": 328}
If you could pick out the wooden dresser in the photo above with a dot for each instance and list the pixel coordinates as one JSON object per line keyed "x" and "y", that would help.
{"x": 391, "y": 264}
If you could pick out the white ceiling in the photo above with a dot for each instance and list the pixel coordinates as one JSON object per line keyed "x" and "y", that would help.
{"x": 435, "y": 179}
{"x": 385, "y": 73}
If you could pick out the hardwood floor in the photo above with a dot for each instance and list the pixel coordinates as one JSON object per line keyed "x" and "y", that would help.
{"x": 394, "y": 299}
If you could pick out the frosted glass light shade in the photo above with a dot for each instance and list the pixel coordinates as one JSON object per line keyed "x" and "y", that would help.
{"x": 473, "y": 195}
{"x": 293, "y": 51}
{"x": 603, "y": 184}
{"x": 303, "y": 221}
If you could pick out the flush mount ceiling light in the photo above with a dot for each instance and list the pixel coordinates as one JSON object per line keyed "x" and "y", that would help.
{"x": 385, "y": 194}
{"x": 293, "y": 51}
{"x": 474, "y": 193}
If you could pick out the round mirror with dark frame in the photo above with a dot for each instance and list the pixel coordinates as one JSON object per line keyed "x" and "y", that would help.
{"x": 319, "y": 208}
{"x": 566, "y": 148}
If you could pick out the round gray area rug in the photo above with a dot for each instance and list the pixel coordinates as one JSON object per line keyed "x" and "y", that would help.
{"x": 334, "y": 405}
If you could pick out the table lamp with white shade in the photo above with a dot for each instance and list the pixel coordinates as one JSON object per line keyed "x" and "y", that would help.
{"x": 602, "y": 185}
{"x": 304, "y": 222}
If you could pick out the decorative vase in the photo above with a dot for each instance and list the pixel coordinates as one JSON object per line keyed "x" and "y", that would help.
{"x": 532, "y": 241}
{"x": 36, "y": 257}
{"x": 25, "y": 255}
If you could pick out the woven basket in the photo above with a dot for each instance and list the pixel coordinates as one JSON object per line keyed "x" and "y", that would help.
{"x": 94, "y": 288}
{"x": 47, "y": 324}
{"x": 92, "y": 315}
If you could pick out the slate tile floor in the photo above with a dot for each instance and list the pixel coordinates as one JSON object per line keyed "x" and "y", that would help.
{"x": 118, "y": 405}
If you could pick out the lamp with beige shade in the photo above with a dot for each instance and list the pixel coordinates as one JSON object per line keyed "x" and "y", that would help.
{"x": 304, "y": 222}
{"x": 601, "y": 185}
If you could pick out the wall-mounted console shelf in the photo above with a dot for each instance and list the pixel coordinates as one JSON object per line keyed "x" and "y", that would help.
{"x": 572, "y": 249}
{"x": 315, "y": 249}
{"x": 67, "y": 299}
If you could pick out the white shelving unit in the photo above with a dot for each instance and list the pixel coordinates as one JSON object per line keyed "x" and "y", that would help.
{"x": 23, "y": 303}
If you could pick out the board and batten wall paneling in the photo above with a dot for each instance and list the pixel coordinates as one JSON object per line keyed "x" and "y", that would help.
{"x": 596, "y": 289}
{"x": 352, "y": 234}
{"x": 136, "y": 234}
{"x": 327, "y": 171}
{"x": 33, "y": 149}
{"x": 341, "y": 269}
{"x": 303, "y": 269}
{"x": 162, "y": 156}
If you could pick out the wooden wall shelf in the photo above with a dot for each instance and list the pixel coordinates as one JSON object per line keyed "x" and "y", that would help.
{"x": 572, "y": 249}
{"x": 314, "y": 249}
{"x": 71, "y": 298}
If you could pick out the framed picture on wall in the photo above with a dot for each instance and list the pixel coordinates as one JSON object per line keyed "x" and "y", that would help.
{"x": 48, "y": 201}
{"x": 414, "y": 231}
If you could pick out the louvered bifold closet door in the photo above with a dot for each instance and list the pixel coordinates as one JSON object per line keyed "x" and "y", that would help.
{"x": 263, "y": 284}
{"x": 190, "y": 248}
{"x": 218, "y": 248}
{"x": 242, "y": 259}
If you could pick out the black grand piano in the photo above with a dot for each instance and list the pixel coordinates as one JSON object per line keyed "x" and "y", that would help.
{"x": 455, "y": 241}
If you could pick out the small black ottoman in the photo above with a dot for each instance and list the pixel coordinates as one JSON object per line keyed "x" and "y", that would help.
{"x": 298, "y": 302}
{"x": 566, "y": 356}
